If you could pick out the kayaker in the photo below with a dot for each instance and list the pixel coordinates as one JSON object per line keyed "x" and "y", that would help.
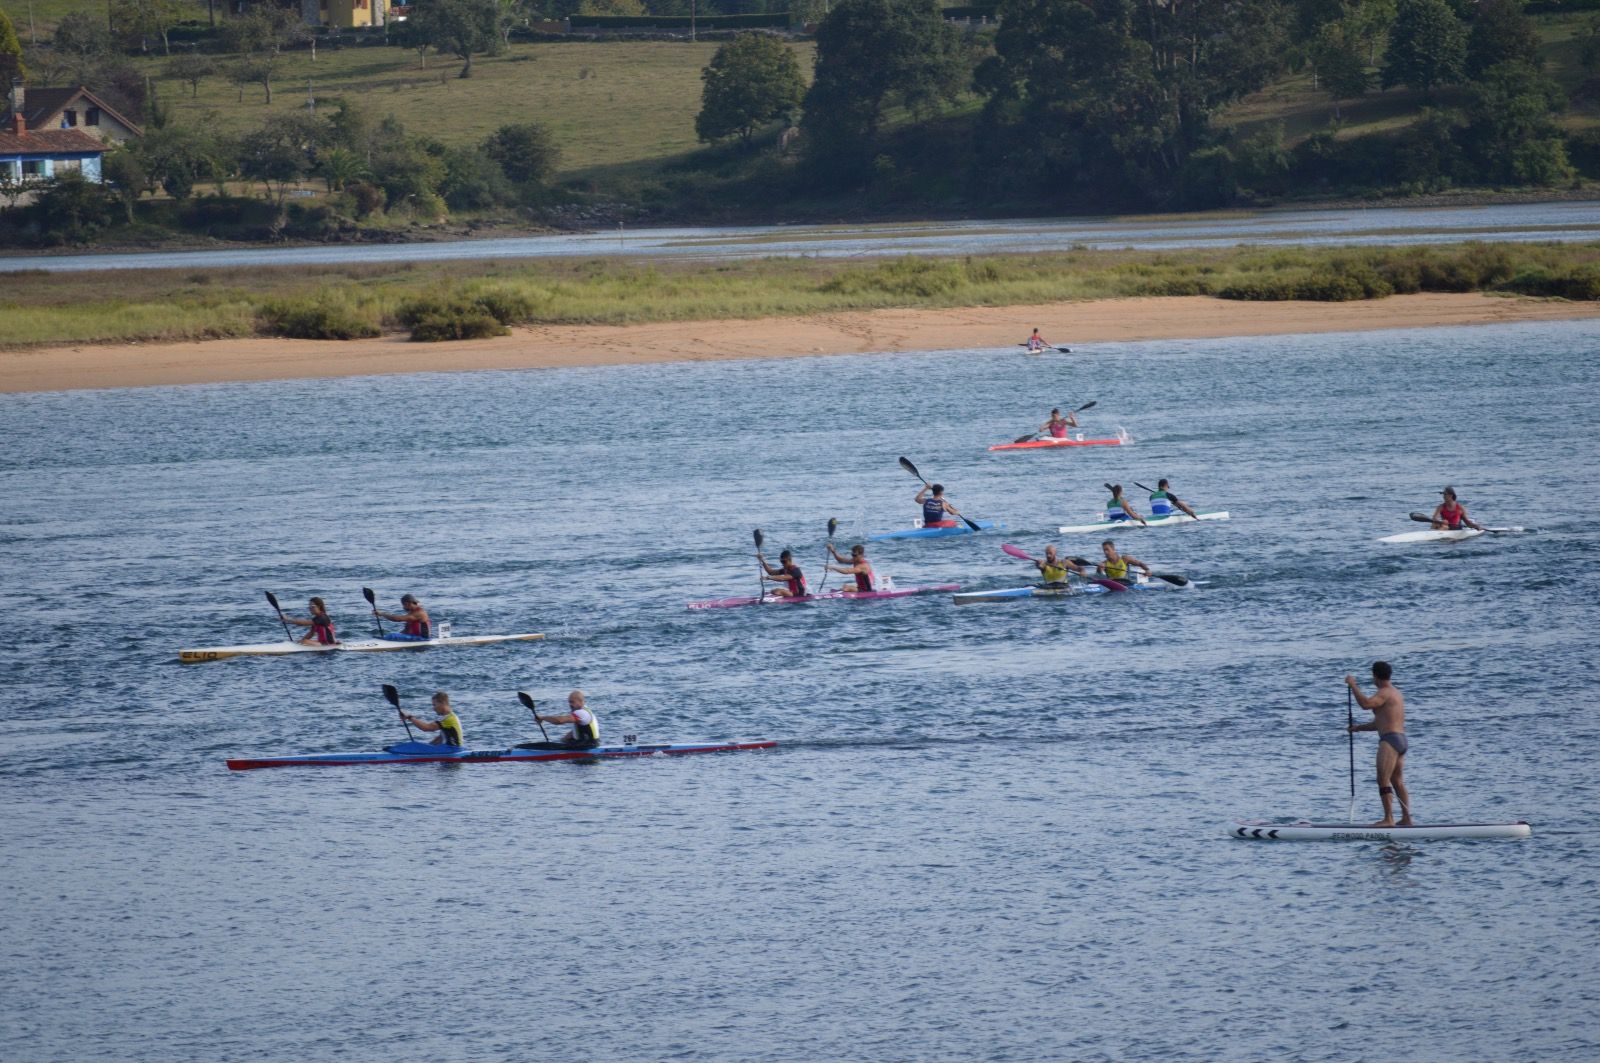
{"x": 448, "y": 723}
{"x": 1452, "y": 515}
{"x": 1388, "y": 708}
{"x": 320, "y": 623}
{"x": 788, "y": 574}
{"x": 936, "y": 509}
{"x": 1053, "y": 570}
{"x": 1115, "y": 566}
{"x": 855, "y": 565}
{"x": 1057, "y": 425}
{"x": 585, "y": 733}
{"x": 415, "y": 618}
{"x": 1036, "y": 342}
{"x": 1162, "y": 501}
{"x": 1119, "y": 509}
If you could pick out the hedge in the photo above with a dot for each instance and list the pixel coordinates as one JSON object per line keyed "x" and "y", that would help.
{"x": 673, "y": 22}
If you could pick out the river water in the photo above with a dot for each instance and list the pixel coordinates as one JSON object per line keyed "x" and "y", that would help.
{"x": 990, "y": 832}
{"x": 1564, "y": 221}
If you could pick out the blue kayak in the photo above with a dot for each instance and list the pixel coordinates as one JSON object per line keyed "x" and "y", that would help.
{"x": 427, "y": 753}
{"x": 919, "y": 532}
{"x": 1069, "y": 591}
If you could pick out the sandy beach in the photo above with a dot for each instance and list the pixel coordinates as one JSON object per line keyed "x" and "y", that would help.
{"x": 1069, "y": 324}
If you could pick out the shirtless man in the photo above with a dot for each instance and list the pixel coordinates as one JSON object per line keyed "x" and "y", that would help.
{"x": 1388, "y": 708}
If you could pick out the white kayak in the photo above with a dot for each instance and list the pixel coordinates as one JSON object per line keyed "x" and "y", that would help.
{"x": 288, "y": 649}
{"x": 1359, "y": 832}
{"x": 1151, "y": 522}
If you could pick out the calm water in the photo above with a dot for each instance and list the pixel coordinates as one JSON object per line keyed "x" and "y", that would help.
{"x": 1389, "y": 225}
{"x": 992, "y": 832}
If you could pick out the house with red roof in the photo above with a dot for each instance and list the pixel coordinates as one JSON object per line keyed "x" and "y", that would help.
{"x": 29, "y": 156}
{"x": 69, "y": 108}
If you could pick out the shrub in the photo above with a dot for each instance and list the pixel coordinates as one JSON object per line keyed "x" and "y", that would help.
{"x": 322, "y": 318}
{"x": 1262, "y": 289}
{"x": 456, "y": 323}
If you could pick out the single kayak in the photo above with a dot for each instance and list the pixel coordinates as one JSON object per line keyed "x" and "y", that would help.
{"x": 1122, "y": 438}
{"x": 427, "y": 753}
{"x": 828, "y": 596}
{"x": 1069, "y": 591}
{"x": 920, "y": 532}
{"x": 1356, "y": 832}
{"x": 1151, "y": 522}
{"x": 288, "y": 649}
{"x": 1445, "y": 535}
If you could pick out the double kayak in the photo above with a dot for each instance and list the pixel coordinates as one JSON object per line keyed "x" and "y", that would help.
{"x": 1152, "y": 522}
{"x": 1357, "y": 832}
{"x": 1122, "y": 438}
{"x": 427, "y": 753}
{"x": 375, "y": 645}
{"x": 1071, "y": 590}
{"x": 921, "y": 532}
{"x": 828, "y": 596}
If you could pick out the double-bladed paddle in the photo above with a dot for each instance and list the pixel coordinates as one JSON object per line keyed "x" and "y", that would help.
{"x": 372, "y": 600}
{"x": 833, "y": 526}
{"x": 1350, "y": 729}
{"x": 272, "y": 598}
{"x": 1036, "y": 435}
{"x": 1108, "y": 584}
{"x": 905, "y": 463}
{"x": 1424, "y": 519}
{"x": 392, "y": 692}
{"x": 761, "y": 582}
{"x": 527, "y": 699}
{"x": 1063, "y": 350}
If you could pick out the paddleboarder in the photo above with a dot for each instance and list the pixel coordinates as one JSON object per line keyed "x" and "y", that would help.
{"x": 1451, "y": 515}
{"x": 1119, "y": 509}
{"x": 415, "y": 618}
{"x": 1388, "y": 708}
{"x": 585, "y": 733}
{"x": 1163, "y": 501}
{"x": 320, "y": 623}
{"x": 1053, "y": 569}
{"x": 448, "y": 724}
{"x": 855, "y": 565}
{"x": 1036, "y": 342}
{"x": 1115, "y": 566}
{"x": 1057, "y": 425}
{"x": 792, "y": 581}
{"x": 936, "y": 509}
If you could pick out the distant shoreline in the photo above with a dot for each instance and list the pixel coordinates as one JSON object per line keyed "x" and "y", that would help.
{"x": 998, "y": 329}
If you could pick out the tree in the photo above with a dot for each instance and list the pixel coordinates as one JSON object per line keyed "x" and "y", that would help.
{"x": 1427, "y": 46}
{"x": 280, "y": 152}
{"x": 474, "y": 181}
{"x": 71, "y": 209}
{"x": 192, "y": 68}
{"x": 124, "y": 172}
{"x": 175, "y": 158}
{"x": 1500, "y": 33}
{"x": 463, "y": 28}
{"x": 526, "y": 152}
{"x": 752, "y": 80}
{"x": 257, "y": 71}
{"x": 340, "y": 168}
{"x": 1511, "y": 126}
{"x": 141, "y": 19}
{"x": 11, "y": 66}
{"x": 1340, "y": 57}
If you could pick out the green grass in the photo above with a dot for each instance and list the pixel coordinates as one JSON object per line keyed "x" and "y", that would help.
{"x": 46, "y": 13}
{"x": 40, "y": 308}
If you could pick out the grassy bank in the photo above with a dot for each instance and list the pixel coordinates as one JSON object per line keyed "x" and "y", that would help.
{"x": 39, "y": 308}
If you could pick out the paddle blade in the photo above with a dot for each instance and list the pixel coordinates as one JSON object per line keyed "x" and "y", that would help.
{"x": 526, "y": 699}
{"x": 272, "y": 599}
{"x": 759, "y": 538}
{"x": 1109, "y": 584}
{"x": 905, "y": 463}
{"x": 372, "y": 599}
{"x": 1172, "y": 578}
{"x": 1015, "y": 551}
{"x": 833, "y": 526}
{"x": 1082, "y": 562}
{"x": 392, "y": 692}
{"x": 1087, "y": 405}
{"x": 1026, "y": 438}
{"x": 1421, "y": 518}
{"x": 1141, "y": 486}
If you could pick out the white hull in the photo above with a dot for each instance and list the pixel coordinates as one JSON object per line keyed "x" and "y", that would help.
{"x": 1444, "y": 535}
{"x": 287, "y": 649}
{"x": 1357, "y": 832}
{"x": 1153, "y": 522}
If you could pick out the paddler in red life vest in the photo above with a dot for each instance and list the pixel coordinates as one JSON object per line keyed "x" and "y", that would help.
{"x": 415, "y": 618}
{"x": 448, "y": 724}
{"x": 1119, "y": 509}
{"x": 792, "y": 581}
{"x": 1036, "y": 342}
{"x": 1057, "y": 425}
{"x": 1452, "y": 515}
{"x": 855, "y": 565}
{"x": 1163, "y": 502}
{"x": 320, "y": 623}
{"x": 936, "y": 509}
{"x": 1115, "y": 566}
{"x": 585, "y": 733}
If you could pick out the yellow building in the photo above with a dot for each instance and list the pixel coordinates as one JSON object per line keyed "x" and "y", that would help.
{"x": 352, "y": 14}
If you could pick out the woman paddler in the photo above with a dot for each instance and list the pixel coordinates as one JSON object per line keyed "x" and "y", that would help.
{"x": 418, "y": 626}
{"x": 320, "y": 623}
{"x": 788, "y": 574}
{"x": 936, "y": 509}
{"x": 1452, "y": 515}
{"x": 856, "y": 565}
{"x": 1118, "y": 508}
{"x": 1057, "y": 425}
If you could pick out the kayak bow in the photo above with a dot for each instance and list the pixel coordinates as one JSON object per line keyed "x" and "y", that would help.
{"x": 1122, "y": 438}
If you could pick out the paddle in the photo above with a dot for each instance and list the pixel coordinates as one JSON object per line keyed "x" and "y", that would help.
{"x": 1036, "y": 435}
{"x": 833, "y": 526}
{"x": 391, "y": 692}
{"x": 761, "y": 583}
{"x": 905, "y": 463}
{"x": 1063, "y": 350}
{"x": 372, "y": 600}
{"x": 1424, "y": 519}
{"x": 274, "y": 600}
{"x": 1108, "y": 584}
{"x": 527, "y": 699}
{"x": 1350, "y": 719}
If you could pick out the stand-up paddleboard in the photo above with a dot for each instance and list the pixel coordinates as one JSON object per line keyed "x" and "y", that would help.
{"x": 289, "y": 649}
{"x": 427, "y": 753}
{"x": 1357, "y": 832}
{"x": 828, "y": 596}
{"x": 1152, "y": 522}
{"x": 1121, "y": 439}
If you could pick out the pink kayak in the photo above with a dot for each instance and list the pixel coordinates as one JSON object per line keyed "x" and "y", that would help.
{"x": 1122, "y": 438}
{"x": 829, "y": 596}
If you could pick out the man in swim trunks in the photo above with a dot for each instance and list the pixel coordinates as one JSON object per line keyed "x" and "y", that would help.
{"x": 415, "y": 618}
{"x": 1057, "y": 425}
{"x": 1451, "y": 515}
{"x": 1163, "y": 502}
{"x": 1118, "y": 508}
{"x": 787, "y": 574}
{"x": 1053, "y": 570}
{"x": 585, "y": 733}
{"x": 1388, "y": 708}
{"x": 1115, "y": 566}
{"x": 448, "y": 724}
{"x": 855, "y": 565}
{"x": 936, "y": 509}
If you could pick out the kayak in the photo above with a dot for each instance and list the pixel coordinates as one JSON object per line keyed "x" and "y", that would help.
{"x": 287, "y": 649}
{"x": 1152, "y": 522}
{"x": 1445, "y": 535}
{"x": 1069, "y": 591}
{"x": 1356, "y": 832}
{"x": 1122, "y": 438}
{"x": 427, "y": 753}
{"x": 827, "y": 596}
{"x": 919, "y": 532}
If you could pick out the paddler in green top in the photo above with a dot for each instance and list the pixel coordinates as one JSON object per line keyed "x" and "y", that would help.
{"x": 1163, "y": 501}
{"x": 448, "y": 723}
{"x": 1115, "y": 566}
{"x": 1053, "y": 570}
{"x": 1119, "y": 509}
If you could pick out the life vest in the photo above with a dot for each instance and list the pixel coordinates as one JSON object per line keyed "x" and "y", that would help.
{"x": 932, "y": 512}
{"x": 797, "y": 580}
{"x": 322, "y": 627}
{"x": 1160, "y": 506}
{"x": 585, "y": 728}
{"x": 1452, "y": 514}
{"x": 419, "y": 628}
{"x": 1117, "y": 569}
{"x": 864, "y": 581}
{"x": 450, "y": 728}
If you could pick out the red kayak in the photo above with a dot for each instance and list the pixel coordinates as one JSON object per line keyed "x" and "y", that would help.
{"x": 1122, "y": 438}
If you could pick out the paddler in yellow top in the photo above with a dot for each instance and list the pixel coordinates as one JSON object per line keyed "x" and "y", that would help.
{"x": 448, "y": 724}
{"x": 1053, "y": 570}
{"x": 1115, "y": 566}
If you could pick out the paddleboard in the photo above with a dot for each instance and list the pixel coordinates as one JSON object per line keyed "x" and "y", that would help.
{"x": 1357, "y": 832}
{"x": 289, "y": 649}
{"x": 1152, "y": 522}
